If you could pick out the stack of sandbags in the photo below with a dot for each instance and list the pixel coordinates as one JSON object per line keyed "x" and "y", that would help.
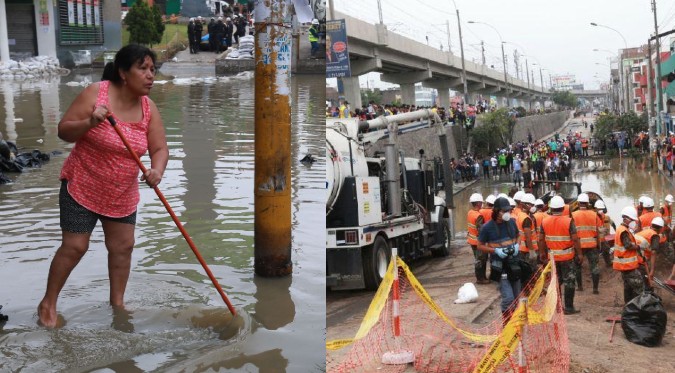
{"x": 246, "y": 45}
{"x": 31, "y": 68}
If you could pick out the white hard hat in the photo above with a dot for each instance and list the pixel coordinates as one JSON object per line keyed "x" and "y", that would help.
{"x": 642, "y": 199}
{"x": 658, "y": 221}
{"x": 519, "y": 195}
{"x": 228, "y": 19}
{"x": 490, "y": 199}
{"x": 648, "y": 202}
{"x": 669, "y": 198}
{"x": 199, "y": 17}
{"x": 600, "y": 205}
{"x": 220, "y": 18}
{"x": 528, "y": 198}
{"x": 502, "y": 195}
{"x": 539, "y": 202}
{"x": 512, "y": 202}
{"x": 192, "y": 19}
{"x": 476, "y": 197}
{"x": 582, "y": 198}
{"x": 630, "y": 212}
{"x": 556, "y": 202}
{"x": 315, "y": 21}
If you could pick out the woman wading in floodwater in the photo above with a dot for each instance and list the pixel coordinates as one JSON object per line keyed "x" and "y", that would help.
{"x": 99, "y": 178}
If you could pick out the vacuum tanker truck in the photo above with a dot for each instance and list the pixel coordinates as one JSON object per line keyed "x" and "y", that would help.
{"x": 377, "y": 202}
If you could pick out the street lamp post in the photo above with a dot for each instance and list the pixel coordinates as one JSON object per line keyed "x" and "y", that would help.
{"x": 620, "y": 70}
{"x": 627, "y": 97}
{"x": 501, "y": 40}
{"x": 461, "y": 48}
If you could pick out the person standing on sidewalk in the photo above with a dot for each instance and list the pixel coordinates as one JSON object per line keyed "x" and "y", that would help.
{"x": 588, "y": 226}
{"x": 314, "y": 37}
{"x": 191, "y": 36}
{"x": 474, "y": 222}
{"x": 517, "y": 169}
{"x": 627, "y": 258}
{"x": 559, "y": 236}
{"x": 499, "y": 238}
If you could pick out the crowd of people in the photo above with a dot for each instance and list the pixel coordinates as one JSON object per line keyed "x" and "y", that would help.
{"x": 518, "y": 232}
{"x": 220, "y": 30}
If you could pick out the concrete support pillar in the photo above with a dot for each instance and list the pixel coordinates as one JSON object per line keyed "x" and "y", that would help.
{"x": 7, "y": 91}
{"x": 444, "y": 97}
{"x": 4, "y": 38}
{"x": 408, "y": 93}
{"x": 352, "y": 91}
{"x": 46, "y": 34}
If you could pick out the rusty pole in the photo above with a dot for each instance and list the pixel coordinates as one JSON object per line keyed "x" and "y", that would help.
{"x": 272, "y": 180}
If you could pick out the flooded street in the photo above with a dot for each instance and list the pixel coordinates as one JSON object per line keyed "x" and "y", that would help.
{"x": 621, "y": 185}
{"x": 175, "y": 319}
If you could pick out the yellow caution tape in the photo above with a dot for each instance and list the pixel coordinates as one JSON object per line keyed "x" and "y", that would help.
{"x": 504, "y": 345}
{"x": 373, "y": 313}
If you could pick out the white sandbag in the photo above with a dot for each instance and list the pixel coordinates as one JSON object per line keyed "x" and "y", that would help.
{"x": 467, "y": 293}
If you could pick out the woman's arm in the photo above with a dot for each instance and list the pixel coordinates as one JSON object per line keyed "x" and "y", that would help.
{"x": 81, "y": 115}
{"x": 157, "y": 148}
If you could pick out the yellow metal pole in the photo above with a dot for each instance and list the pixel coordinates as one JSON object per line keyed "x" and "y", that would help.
{"x": 272, "y": 180}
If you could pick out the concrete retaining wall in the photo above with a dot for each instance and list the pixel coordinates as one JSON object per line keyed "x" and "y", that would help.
{"x": 540, "y": 125}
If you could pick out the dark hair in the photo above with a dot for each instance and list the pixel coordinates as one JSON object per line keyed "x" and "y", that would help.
{"x": 125, "y": 58}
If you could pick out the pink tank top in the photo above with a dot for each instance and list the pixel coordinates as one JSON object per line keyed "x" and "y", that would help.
{"x": 102, "y": 176}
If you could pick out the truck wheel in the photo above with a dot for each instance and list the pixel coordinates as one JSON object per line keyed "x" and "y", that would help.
{"x": 375, "y": 262}
{"x": 445, "y": 249}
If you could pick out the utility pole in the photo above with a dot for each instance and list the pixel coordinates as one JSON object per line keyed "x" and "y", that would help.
{"x": 272, "y": 175}
{"x": 657, "y": 83}
{"x": 331, "y": 8}
{"x": 482, "y": 50}
{"x": 506, "y": 80}
{"x": 461, "y": 47}
{"x": 515, "y": 61}
{"x": 379, "y": 10}
{"x": 527, "y": 70}
{"x": 447, "y": 28}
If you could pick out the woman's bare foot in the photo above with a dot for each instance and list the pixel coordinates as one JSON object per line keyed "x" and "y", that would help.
{"x": 47, "y": 315}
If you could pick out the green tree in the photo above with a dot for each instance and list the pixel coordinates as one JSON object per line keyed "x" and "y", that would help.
{"x": 142, "y": 23}
{"x": 374, "y": 95}
{"x": 158, "y": 23}
{"x": 565, "y": 98}
{"x": 629, "y": 122}
{"x": 496, "y": 131}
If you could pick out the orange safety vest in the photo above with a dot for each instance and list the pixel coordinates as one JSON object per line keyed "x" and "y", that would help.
{"x": 516, "y": 211}
{"x": 587, "y": 223}
{"x": 646, "y": 218}
{"x": 557, "y": 236}
{"x": 667, "y": 215}
{"x": 648, "y": 234}
{"x": 584, "y": 143}
{"x": 487, "y": 214}
{"x": 539, "y": 217}
{"x": 624, "y": 259}
{"x": 533, "y": 232}
{"x": 472, "y": 229}
{"x": 566, "y": 210}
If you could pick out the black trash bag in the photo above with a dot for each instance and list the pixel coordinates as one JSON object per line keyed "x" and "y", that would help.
{"x": 644, "y": 320}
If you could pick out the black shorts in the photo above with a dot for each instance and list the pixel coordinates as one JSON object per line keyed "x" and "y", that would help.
{"x": 77, "y": 219}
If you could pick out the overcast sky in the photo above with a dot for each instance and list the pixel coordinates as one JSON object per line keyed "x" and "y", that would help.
{"x": 557, "y": 33}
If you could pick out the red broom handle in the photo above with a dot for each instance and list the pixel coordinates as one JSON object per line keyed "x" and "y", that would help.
{"x": 174, "y": 217}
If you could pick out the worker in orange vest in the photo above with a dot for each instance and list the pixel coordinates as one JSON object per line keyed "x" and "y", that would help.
{"x": 518, "y": 196}
{"x": 486, "y": 209}
{"x": 653, "y": 236}
{"x": 474, "y": 222}
{"x": 627, "y": 259}
{"x": 667, "y": 213}
{"x": 607, "y": 224}
{"x": 528, "y": 230}
{"x": 540, "y": 214}
{"x": 559, "y": 236}
{"x": 588, "y": 225}
{"x": 648, "y": 213}
{"x": 584, "y": 147}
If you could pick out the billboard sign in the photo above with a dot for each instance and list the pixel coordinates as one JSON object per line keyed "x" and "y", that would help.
{"x": 337, "y": 51}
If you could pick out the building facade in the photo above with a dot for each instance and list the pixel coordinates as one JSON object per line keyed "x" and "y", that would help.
{"x": 66, "y": 29}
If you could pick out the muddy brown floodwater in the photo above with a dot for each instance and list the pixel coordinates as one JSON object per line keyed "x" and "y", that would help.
{"x": 175, "y": 320}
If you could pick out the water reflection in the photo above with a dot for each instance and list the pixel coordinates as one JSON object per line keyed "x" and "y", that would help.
{"x": 274, "y": 307}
